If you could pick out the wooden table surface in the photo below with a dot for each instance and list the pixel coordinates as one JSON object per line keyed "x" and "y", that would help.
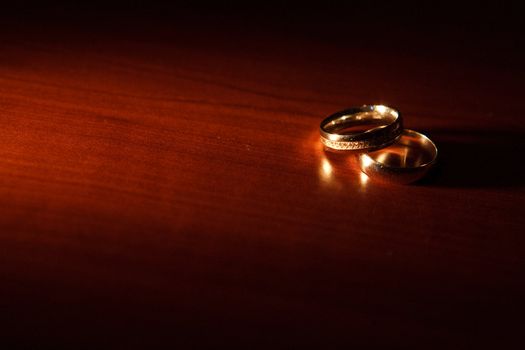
{"x": 170, "y": 188}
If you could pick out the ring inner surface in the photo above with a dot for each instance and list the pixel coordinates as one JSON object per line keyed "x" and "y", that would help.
{"x": 359, "y": 123}
{"x": 409, "y": 151}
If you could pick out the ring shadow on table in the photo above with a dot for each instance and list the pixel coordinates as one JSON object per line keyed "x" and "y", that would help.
{"x": 477, "y": 158}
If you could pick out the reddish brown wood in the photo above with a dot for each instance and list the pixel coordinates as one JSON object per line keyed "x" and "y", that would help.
{"x": 175, "y": 190}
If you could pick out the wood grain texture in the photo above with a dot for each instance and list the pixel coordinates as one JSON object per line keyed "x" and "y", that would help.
{"x": 174, "y": 191}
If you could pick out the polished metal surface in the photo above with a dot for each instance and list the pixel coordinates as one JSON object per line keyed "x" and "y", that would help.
{"x": 405, "y": 161}
{"x": 361, "y": 128}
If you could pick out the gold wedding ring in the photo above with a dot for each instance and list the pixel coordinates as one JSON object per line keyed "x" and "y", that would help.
{"x": 405, "y": 161}
{"x": 361, "y": 128}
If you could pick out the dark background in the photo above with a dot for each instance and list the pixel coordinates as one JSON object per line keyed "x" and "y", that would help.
{"x": 489, "y": 32}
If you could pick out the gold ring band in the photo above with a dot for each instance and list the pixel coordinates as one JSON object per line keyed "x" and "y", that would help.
{"x": 361, "y": 128}
{"x": 405, "y": 161}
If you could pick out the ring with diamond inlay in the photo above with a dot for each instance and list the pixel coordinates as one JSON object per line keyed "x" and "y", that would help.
{"x": 405, "y": 161}
{"x": 361, "y": 128}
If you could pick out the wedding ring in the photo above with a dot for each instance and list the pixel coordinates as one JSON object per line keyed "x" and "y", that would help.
{"x": 361, "y": 128}
{"x": 405, "y": 161}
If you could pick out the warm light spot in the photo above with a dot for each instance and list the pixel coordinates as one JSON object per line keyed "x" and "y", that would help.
{"x": 364, "y": 178}
{"x": 327, "y": 168}
{"x": 366, "y": 161}
{"x": 326, "y": 171}
{"x": 383, "y": 157}
{"x": 381, "y": 109}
